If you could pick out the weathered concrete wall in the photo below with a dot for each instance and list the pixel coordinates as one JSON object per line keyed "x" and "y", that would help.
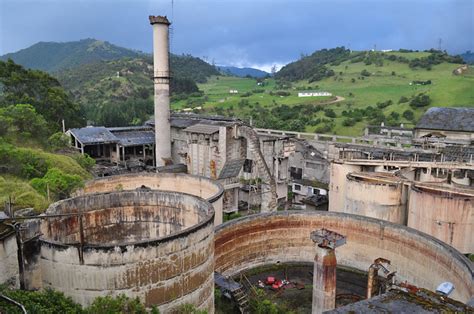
{"x": 444, "y": 213}
{"x": 208, "y": 189}
{"x": 375, "y": 195}
{"x": 154, "y": 245}
{"x": 8, "y": 259}
{"x": 420, "y": 259}
{"x": 9, "y": 262}
{"x": 337, "y": 185}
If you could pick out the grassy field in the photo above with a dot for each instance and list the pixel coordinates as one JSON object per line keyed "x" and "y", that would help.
{"x": 217, "y": 95}
{"x": 388, "y": 82}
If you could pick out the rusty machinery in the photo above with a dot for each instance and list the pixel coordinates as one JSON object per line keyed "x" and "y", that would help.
{"x": 379, "y": 284}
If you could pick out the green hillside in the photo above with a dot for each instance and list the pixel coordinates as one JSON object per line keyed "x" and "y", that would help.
{"x": 120, "y": 92}
{"x": 376, "y": 88}
{"x": 53, "y": 56}
{"x": 36, "y": 167}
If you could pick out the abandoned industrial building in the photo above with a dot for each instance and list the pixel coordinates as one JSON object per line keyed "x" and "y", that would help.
{"x": 152, "y": 224}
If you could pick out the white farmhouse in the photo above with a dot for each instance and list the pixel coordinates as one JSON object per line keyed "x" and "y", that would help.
{"x": 314, "y": 94}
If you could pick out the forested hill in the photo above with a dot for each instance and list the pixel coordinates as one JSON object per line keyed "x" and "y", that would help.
{"x": 317, "y": 66}
{"x": 54, "y": 56}
{"x": 242, "y": 72}
{"x": 105, "y": 88}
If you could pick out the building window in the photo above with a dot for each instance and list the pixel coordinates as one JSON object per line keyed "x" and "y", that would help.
{"x": 297, "y": 187}
{"x": 248, "y": 165}
{"x": 313, "y": 165}
{"x": 296, "y": 173}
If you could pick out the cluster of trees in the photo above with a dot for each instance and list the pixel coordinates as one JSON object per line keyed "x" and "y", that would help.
{"x": 41, "y": 91}
{"x": 124, "y": 113}
{"x": 313, "y": 67}
{"x": 436, "y": 57}
{"x": 187, "y": 66}
{"x": 368, "y": 58}
{"x": 104, "y": 87}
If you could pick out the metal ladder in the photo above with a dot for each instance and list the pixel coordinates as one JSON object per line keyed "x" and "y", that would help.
{"x": 242, "y": 300}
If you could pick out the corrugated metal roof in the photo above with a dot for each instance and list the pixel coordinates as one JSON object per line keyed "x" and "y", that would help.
{"x": 134, "y": 138}
{"x": 94, "y": 135}
{"x": 130, "y": 128}
{"x": 181, "y": 123}
{"x": 184, "y": 120}
{"x": 231, "y": 168}
{"x": 448, "y": 119}
{"x": 203, "y": 128}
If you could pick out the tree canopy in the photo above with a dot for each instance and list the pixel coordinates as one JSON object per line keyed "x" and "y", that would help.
{"x": 41, "y": 91}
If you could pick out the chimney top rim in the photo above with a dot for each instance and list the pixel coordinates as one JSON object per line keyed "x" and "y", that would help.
{"x": 158, "y": 19}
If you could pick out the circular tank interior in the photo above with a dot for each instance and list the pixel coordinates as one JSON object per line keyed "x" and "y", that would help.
{"x": 284, "y": 237}
{"x": 154, "y": 245}
{"x": 203, "y": 187}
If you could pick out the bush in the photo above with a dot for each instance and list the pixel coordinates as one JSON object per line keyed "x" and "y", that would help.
{"x": 190, "y": 309}
{"x": 261, "y": 305}
{"x": 349, "y": 122}
{"x": 420, "y": 100}
{"x": 58, "y": 183}
{"x": 403, "y": 99}
{"x": 384, "y": 104}
{"x": 45, "y": 301}
{"x": 85, "y": 161}
{"x": 119, "y": 304}
{"x": 364, "y": 72}
{"x": 232, "y": 216}
{"x": 21, "y": 193}
{"x": 329, "y": 113}
{"x": 409, "y": 115}
{"x": 58, "y": 141}
{"x": 247, "y": 94}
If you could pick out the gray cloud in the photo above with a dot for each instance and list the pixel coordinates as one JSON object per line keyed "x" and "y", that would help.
{"x": 244, "y": 32}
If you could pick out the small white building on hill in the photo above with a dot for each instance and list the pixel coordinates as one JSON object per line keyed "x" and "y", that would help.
{"x": 314, "y": 94}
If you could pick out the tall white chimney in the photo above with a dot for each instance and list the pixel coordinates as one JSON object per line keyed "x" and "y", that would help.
{"x": 161, "y": 80}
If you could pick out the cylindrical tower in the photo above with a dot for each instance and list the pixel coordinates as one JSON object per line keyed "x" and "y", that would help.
{"x": 161, "y": 80}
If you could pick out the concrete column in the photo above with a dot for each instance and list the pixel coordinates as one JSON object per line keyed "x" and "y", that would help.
{"x": 118, "y": 153}
{"x": 324, "y": 280}
{"x": 325, "y": 264}
{"x": 161, "y": 80}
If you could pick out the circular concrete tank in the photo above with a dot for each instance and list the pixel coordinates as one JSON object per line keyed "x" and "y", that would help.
{"x": 155, "y": 245}
{"x": 376, "y": 194}
{"x": 203, "y": 187}
{"x": 445, "y": 213}
{"x": 269, "y": 238}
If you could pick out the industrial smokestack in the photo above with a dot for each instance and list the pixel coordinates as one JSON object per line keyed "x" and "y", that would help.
{"x": 161, "y": 80}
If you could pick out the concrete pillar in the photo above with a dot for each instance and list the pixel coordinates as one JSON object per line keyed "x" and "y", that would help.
{"x": 161, "y": 80}
{"x": 324, "y": 280}
{"x": 118, "y": 153}
{"x": 325, "y": 264}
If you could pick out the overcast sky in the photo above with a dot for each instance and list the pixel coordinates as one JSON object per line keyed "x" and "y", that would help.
{"x": 245, "y": 32}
